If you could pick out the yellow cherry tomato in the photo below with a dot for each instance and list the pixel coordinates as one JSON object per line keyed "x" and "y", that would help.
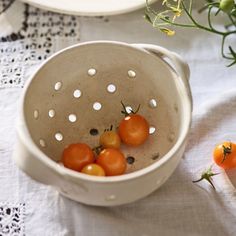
{"x": 224, "y": 155}
{"x": 93, "y": 169}
{"x": 110, "y": 139}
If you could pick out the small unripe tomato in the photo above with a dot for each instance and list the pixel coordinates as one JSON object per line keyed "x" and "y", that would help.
{"x": 226, "y": 5}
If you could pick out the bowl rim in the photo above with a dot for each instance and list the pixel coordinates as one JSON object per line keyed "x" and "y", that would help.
{"x": 25, "y": 136}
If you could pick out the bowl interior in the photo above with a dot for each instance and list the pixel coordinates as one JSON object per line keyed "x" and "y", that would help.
{"x": 77, "y": 95}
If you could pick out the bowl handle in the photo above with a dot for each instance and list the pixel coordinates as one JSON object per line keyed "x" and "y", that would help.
{"x": 175, "y": 62}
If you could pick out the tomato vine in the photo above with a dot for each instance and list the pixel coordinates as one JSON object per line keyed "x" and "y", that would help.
{"x": 166, "y": 18}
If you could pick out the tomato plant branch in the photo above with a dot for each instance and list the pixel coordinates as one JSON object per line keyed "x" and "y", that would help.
{"x": 166, "y": 19}
{"x": 233, "y": 22}
{"x": 199, "y": 25}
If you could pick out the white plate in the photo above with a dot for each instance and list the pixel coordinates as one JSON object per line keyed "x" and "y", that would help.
{"x": 89, "y": 7}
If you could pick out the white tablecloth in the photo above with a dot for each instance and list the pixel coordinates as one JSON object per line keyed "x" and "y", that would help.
{"x": 179, "y": 207}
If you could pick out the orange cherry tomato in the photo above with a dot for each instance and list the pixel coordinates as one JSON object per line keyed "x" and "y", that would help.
{"x": 112, "y": 161}
{"x": 110, "y": 139}
{"x": 93, "y": 169}
{"x": 134, "y": 130}
{"x": 224, "y": 155}
{"x": 76, "y": 156}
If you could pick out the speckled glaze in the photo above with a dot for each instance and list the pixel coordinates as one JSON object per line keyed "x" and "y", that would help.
{"x": 78, "y": 91}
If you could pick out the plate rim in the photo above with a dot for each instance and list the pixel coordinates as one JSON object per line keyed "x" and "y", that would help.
{"x": 78, "y": 12}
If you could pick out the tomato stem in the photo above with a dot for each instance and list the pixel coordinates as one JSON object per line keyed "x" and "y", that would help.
{"x": 97, "y": 149}
{"x": 134, "y": 112}
{"x": 226, "y": 151}
{"x": 109, "y": 129}
{"x": 124, "y": 111}
{"x": 207, "y": 175}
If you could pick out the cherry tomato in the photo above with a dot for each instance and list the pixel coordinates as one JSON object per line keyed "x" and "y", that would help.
{"x": 134, "y": 130}
{"x": 226, "y": 5}
{"x": 93, "y": 169}
{"x": 110, "y": 139}
{"x": 112, "y": 161}
{"x": 225, "y": 155}
{"x": 76, "y": 156}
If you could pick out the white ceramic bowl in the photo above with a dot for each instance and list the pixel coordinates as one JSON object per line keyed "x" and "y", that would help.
{"x": 58, "y": 109}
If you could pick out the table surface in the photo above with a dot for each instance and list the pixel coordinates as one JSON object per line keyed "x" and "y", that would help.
{"x": 179, "y": 207}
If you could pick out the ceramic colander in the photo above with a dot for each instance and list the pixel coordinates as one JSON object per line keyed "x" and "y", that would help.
{"x": 76, "y": 95}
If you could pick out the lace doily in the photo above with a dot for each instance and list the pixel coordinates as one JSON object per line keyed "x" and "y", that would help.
{"x": 28, "y": 36}
{"x": 12, "y": 219}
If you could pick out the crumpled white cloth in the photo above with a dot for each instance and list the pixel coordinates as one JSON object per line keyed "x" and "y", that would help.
{"x": 179, "y": 207}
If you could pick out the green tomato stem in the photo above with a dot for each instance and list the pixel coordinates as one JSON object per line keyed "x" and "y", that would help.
{"x": 207, "y": 175}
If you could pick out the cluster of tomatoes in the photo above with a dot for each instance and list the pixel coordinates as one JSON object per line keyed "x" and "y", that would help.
{"x": 107, "y": 159}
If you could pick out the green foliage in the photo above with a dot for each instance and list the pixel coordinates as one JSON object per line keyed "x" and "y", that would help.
{"x": 168, "y": 17}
